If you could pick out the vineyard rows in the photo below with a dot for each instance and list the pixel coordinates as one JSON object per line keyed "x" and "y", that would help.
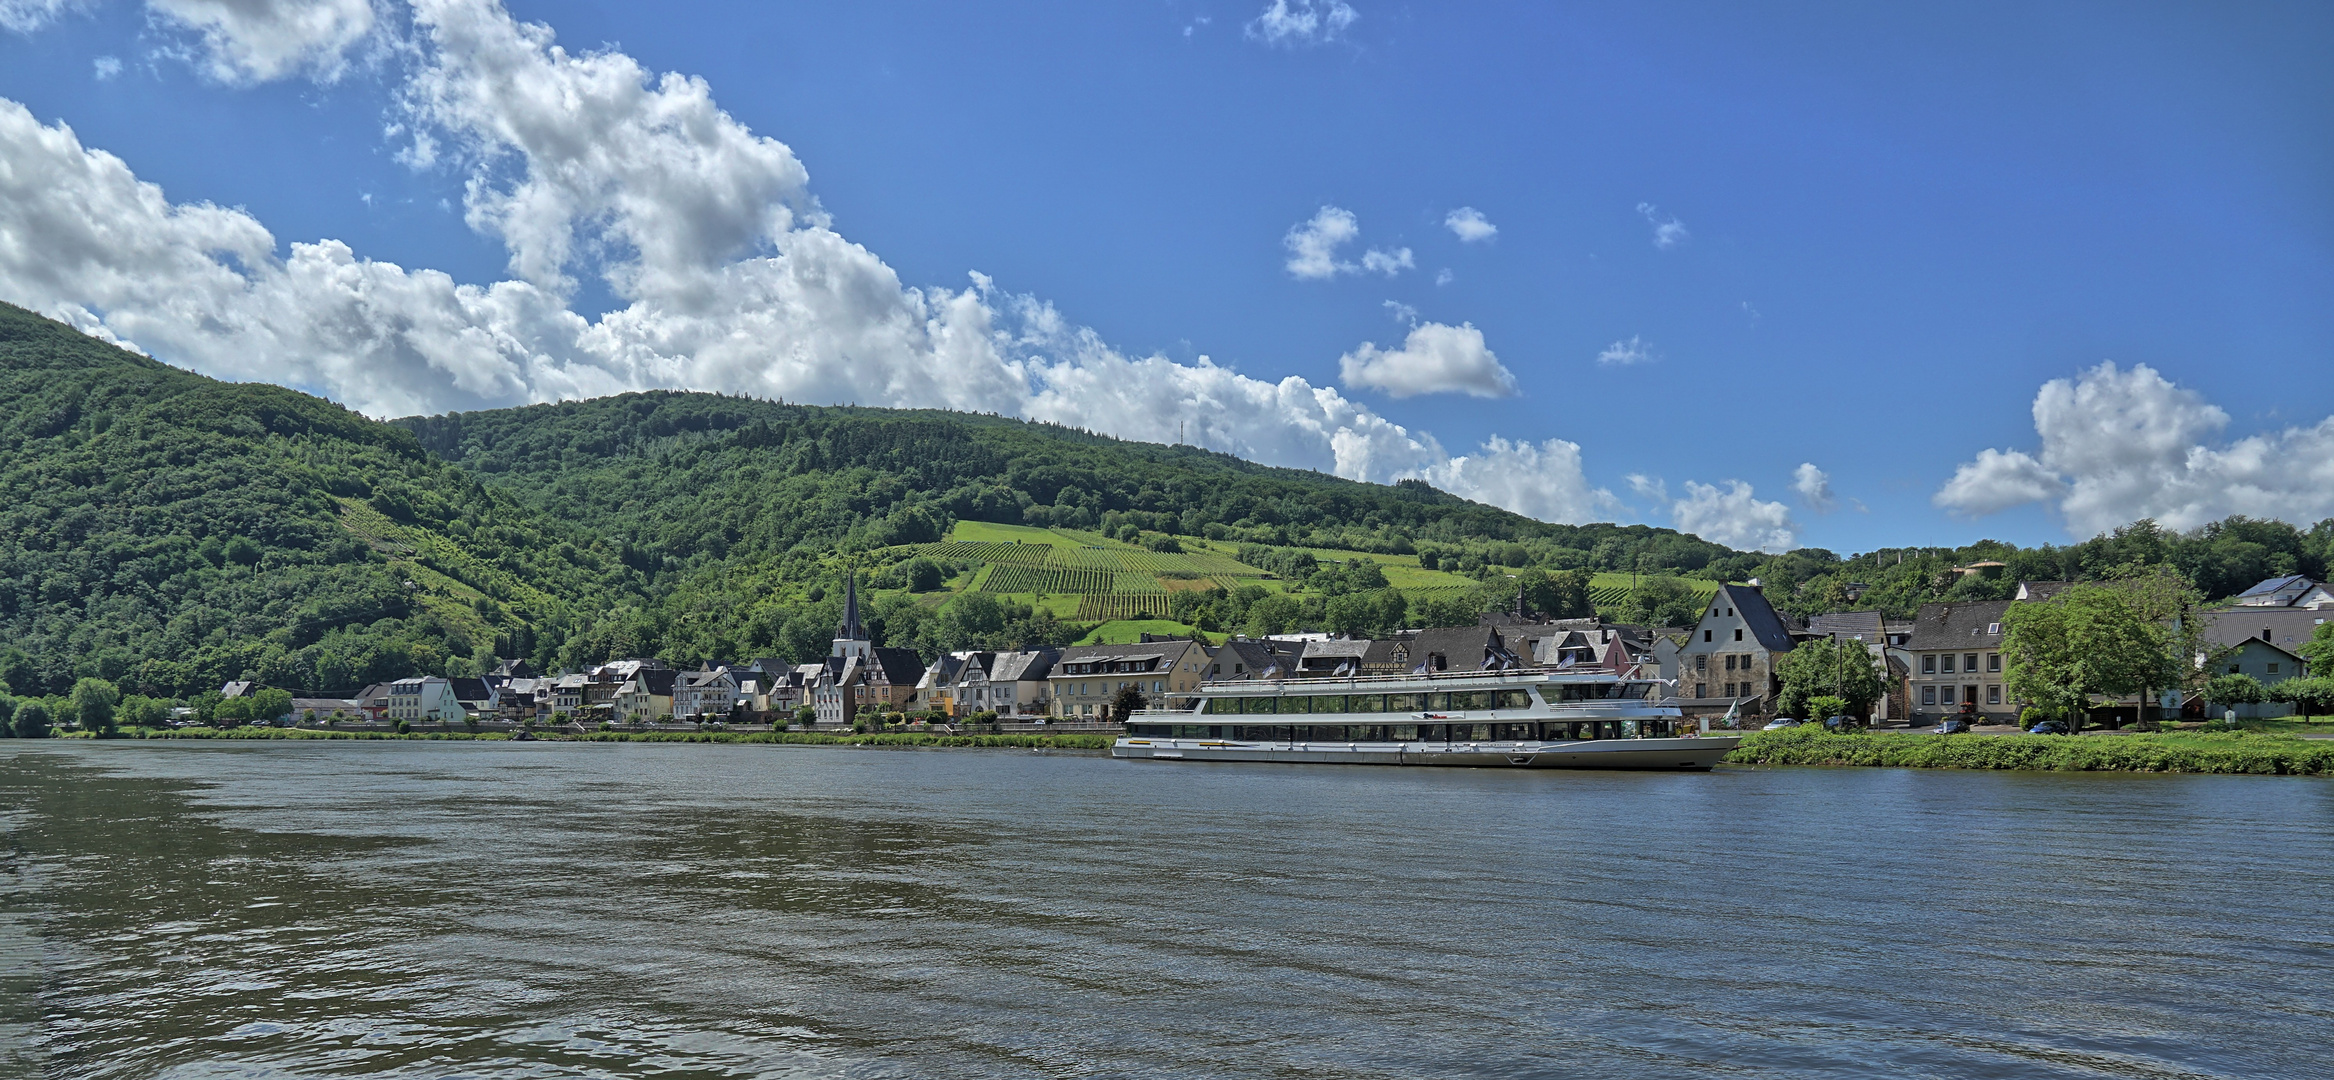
{"x": 1045, "y": 579}
{"x": 1094, "y": 607}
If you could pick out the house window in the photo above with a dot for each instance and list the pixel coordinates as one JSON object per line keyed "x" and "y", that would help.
{"x": 1994, "y": 694}
{"x": 1730, "y": 661}
{"x": 1706, "y": 633}
{"x": 1738, "y": 634}
{"x": 1701, "y": 690}
{"x": 2273, "y": 669}
{"x": 1993, "y": 661}
{"x": 1929, "y": 664}
{"x": 1729, "y": 613}
{"x": 1928, "y": 695}
{"x": 1947, "y": 667}
{"x": 1701, "y": 661}
{"x": 1944, "y": 695}
{"x": 1969, "y": 662}
{"x": 1729, "y": 689}
{"x": 2232, "y": 669}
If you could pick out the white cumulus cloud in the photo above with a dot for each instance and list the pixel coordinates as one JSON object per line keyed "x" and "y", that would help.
{"x": 1434, "y": 359}
{"x": 1469, "y": 225}
{"x": 1668, "y": 232}
{"x": 248, "y": 41}
{"x": 1313, "y": 244}
{"x": 1626, "y": 353}
{"x": 2120, "y": 445}
{"x": 727, "y": 275}
{"x": 1814, "y": 487}
{"x": 1302, "y": 22}
{"x": 1734, "y": 517}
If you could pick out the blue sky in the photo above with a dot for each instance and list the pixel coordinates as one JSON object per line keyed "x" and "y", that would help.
{"x": 1888, "y": 230}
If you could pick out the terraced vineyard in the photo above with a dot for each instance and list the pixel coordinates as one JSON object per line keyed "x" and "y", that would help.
{"x": 1610, "y": 590}
{"x": 1014, "y": 578}
{"x": 1110, "y": 606}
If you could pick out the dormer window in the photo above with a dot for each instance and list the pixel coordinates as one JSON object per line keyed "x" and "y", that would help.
{"x": 1994, "y": 629}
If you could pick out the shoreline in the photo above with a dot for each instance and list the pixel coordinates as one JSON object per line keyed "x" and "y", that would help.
{"x": 2225, "y": 753}
{"x": 2231, "y": 753}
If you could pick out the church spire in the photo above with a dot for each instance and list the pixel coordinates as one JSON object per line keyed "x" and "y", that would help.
{"x": 851, "y": 637}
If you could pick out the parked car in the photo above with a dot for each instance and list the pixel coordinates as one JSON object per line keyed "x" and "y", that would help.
{"x": 1781, "y": 722}
{"x": 1954, "y": 726}
{"x": 1841, "y": 723}
{"x": 2049, "y": 727}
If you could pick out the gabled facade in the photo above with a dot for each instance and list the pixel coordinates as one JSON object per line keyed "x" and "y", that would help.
{"x": 1727, "y": 660}
{"x": 705, "y": 694}
{"x": 646, "y": 696}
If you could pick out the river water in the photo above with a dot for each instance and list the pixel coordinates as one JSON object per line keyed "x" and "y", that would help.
{"x": 525, "y": 910}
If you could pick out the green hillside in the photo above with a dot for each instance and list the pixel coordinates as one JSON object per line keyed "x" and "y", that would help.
{"x": 170, "y": 532}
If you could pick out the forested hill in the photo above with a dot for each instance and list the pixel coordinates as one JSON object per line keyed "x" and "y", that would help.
{"x": 170, "y": 532}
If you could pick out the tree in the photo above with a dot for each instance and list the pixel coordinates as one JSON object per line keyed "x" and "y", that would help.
{"x": 2319, "y": 650}
{"x": 32, "y": 719}
{"x": 2226, "y": 690}
{"x": 270, "y": 705}
{"x": 1561, "y": 595}
{"x": 806, "y": 715}
{"x": 1828, "y": 667}
{"x": 140, "y": 711}
{"x": 2166, "y": 597}
{"x": 93, "y": 705}
{"x": 2088, "y": 641}
{"x": 1274, "y": 614}
{"x": 1127, "y": 702}
{"x": 2309, "y": 697}
{"x": 7, "y": 716}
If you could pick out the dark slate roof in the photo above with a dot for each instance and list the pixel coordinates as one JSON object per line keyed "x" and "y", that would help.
{"x": 1764, "y": 623}
{"x": 470, "y": 689}
{"x": 1083, "y": 653}
{"x": 901, "y": 666}
{"x": 1026, "y": 666}
{"x": 703, "y": 678}
{"x": 1463, "y": 648}
{"x": 1865, "y": 626}
{"x": 658, "y": 681}
{"x": 2287, "y": 627}
{"x": 1246, "y": 659}
{"x": 1958, "y": 626}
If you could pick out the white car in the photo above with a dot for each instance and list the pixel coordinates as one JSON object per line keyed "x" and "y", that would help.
{"x": 1781, "y": 722}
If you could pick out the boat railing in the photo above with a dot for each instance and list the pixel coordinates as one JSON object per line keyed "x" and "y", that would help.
{"x": 1312, "y": 681}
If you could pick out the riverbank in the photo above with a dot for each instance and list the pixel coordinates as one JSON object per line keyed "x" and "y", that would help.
{"x": 1035, "y": 742}
{"x": 2185, "y": 752}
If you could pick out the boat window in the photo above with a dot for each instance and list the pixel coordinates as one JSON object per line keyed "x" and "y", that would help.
{"x": 1329, "y": 703}
{"x": 1150, "y": 731}
{"x": 1371, "y": 733}
{"x": 1405, "y": 702}
{"x": 1437, "y": 702}
{"x": 1516, "y": 732}
{"x": 1287, "y": 704}
{"x": 1403, "y": 732}
{"x": 1470, "y": 732}
{"x": 1584, "y": 731}
{"x": 1365, "y": 703}
{"x": 1471, "y": 699}
{"x": 1629, "y": 729}
{"x": 1511, "y": 699}
{"x": 1434, "y": 732}
{"x": 1253, "y": 732}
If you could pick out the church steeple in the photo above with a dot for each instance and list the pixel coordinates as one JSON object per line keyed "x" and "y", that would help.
{"x": 851, "y": 637}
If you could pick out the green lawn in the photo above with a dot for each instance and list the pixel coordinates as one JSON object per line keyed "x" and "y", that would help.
{"x": 984, "y": 532}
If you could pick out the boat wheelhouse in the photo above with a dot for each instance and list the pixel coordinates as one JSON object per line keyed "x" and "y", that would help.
{"x": 1530, "y": 718}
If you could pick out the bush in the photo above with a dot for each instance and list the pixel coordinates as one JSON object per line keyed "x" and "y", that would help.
{"x": 1824, "y": 706}
{"x": 2309, "y": 697}
{"x": 404, "y": 728}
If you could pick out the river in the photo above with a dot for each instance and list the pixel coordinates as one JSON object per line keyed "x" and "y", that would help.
{"x": 534, "y": 910}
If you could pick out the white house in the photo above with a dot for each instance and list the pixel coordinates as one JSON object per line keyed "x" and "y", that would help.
{"x": 427, "y": 699}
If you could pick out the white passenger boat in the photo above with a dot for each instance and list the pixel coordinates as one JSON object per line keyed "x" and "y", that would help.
{"x": 1540, "y": 719}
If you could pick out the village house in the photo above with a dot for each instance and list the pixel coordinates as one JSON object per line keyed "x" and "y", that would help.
{"x": 479, "y": 700}
{"x": 1451, "y": 648}
{"x": 1726, "y": 660}
{"x": 646, "y": 696}
{"x": 1870, "y": 630}
{"x": 1954, "y": 662}
{"x": 2291, "y": 591}
{"x": 859, "y": 676}
{"x": 708, "y": 693}
{"x": 1087, "y": 677}
{"x": 429, "y": 699}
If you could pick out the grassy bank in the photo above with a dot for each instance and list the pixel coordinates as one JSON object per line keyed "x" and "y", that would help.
{"x": 1052, "y": 742}
{"x": 2178, "y": 752}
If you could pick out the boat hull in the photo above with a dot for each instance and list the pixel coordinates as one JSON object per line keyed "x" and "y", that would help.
{"x": 1667, "y": 755}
